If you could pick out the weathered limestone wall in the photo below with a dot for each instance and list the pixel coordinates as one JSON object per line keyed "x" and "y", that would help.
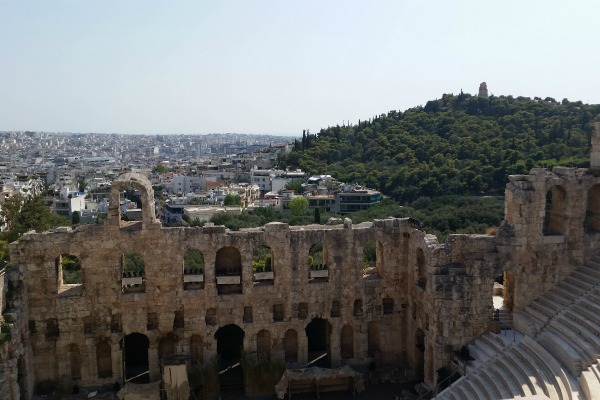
{"x": 422, "y": 301}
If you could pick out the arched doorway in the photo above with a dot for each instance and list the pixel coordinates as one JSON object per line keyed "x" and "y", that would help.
{"x": 135, "y": 358}
{"x": 318, "y": 333}
{"x": 347, "y": 342}
{"x": 291, "y": 346}
{"x": 230, "y": 344}
{"x": 502, "y": 299}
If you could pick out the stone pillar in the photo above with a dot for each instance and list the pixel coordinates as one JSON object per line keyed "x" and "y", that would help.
{"x": 153, "y": 362}
{"x": 302, "y": 347}
{"x": 595, "y": 152}
{"x": 334, "y": 346}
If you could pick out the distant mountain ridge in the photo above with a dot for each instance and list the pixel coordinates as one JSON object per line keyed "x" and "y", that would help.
{"x": 459, "y": 144}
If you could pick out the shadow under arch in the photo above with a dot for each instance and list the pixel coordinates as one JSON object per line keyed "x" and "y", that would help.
{"x": 135, "y": 358}
{"x": 318, "y": 333}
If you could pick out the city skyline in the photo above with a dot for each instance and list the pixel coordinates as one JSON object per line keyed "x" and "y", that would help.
{"x": 277, "y": 68}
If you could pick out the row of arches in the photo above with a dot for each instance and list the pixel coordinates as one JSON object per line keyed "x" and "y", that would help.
{"x": 228, "y": 262}
{"x": 229, "y": 346}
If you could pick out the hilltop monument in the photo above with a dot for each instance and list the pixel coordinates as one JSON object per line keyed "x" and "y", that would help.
{"x": 483, "y": 91}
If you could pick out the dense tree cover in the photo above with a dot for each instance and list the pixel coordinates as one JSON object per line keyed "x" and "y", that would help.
{"x": 298, "y": 205}
{"x": 193, "y": 261}
{"x": 232, "y": 200}
{"x": 133, "y": 264}
{"x": 160, "y": 169}
{"x": 71, "y": 269}
{"x": 440, "y": 216}
{"x": 456, "y": 145}
{"x": 26, "y": 214}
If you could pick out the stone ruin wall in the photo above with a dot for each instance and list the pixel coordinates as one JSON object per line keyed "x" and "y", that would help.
{"x": 441, "y": 293}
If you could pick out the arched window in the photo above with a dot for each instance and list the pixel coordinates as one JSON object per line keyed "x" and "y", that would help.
{"x": 133, "y": 272}
{"x": 369, "y": 255}
{"x": 104, "y": 359}
{"x": 193, "y": 269}
{"x": 317, "y": 263}
{"x": 69, "y": 270}
{"x": 592, "y": 215}
{"x": 554, "y": 219}
{"x": 263, "y": 345}
{"x": 228, "y": 268}
{"x": 290, "y": 344}
{"x": 262, "y": 265}
{"x": 347, "y": 342}
{"x": 358, "y": 307}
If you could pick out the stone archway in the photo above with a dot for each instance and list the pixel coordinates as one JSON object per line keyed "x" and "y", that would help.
{"x": 135, "y": 358}
{"x": 144, "y": 186}
{"x": 230, "y": 344}
{"x": 318, "y": 333}
{"x": 291, "y": 345}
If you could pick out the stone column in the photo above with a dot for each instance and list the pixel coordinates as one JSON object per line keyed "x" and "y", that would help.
{"x": 153, "y": 362}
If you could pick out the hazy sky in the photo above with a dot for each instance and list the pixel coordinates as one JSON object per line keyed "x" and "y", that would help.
{"x": 279, "y": 66}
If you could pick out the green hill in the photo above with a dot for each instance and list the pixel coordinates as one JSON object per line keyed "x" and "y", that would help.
{"x": 457, "y": 145}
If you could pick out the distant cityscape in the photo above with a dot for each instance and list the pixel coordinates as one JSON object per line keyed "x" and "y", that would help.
{"x": 191, "y": 174}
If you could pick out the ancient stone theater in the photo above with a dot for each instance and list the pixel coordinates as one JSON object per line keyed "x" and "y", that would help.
{"x": 513, "y": 314}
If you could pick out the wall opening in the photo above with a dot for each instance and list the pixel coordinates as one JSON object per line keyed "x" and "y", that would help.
{"x": 317, "y": 263}
{"x": 70, "y": 272}
{"x": 196, "y": 351}
{"x": 211, "y": 317}
{"x": 373, "y": 340}
{"x": 302, "y": 310}
{"x": 592, "y": 215}
{"x": 152, "y": 321}
{"x": 52, "y": 330}
{"x": 555, "y": 205}
{"x": 228, "y": 271}
{"x": 104, "y": 359}
{"x": 347, "y": 342}
{"x": 263, "y": 346}
{"x": 133, "y": 267}
{"x": 262, "y": 265}
{"x": 278, "y": 312}
{"x": 248, "y": 317}
{"x": 193, "y": 269}
{"x": 230, "y": 344}
{"x": 115, "y": 323}
{"x": 135, "y": 358}
{"x": 369, "y": 255}
{"x": 358, "y": 307}
{"x": 335, "y": 309}
{"x": 22, "y": 378}
{"x": 388, "y": 306}
{"x": 290, "y": 344}
{"x": 318, "y": 333}
{"x": 179, "y": 320}
{"x": 502, "y": 299}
